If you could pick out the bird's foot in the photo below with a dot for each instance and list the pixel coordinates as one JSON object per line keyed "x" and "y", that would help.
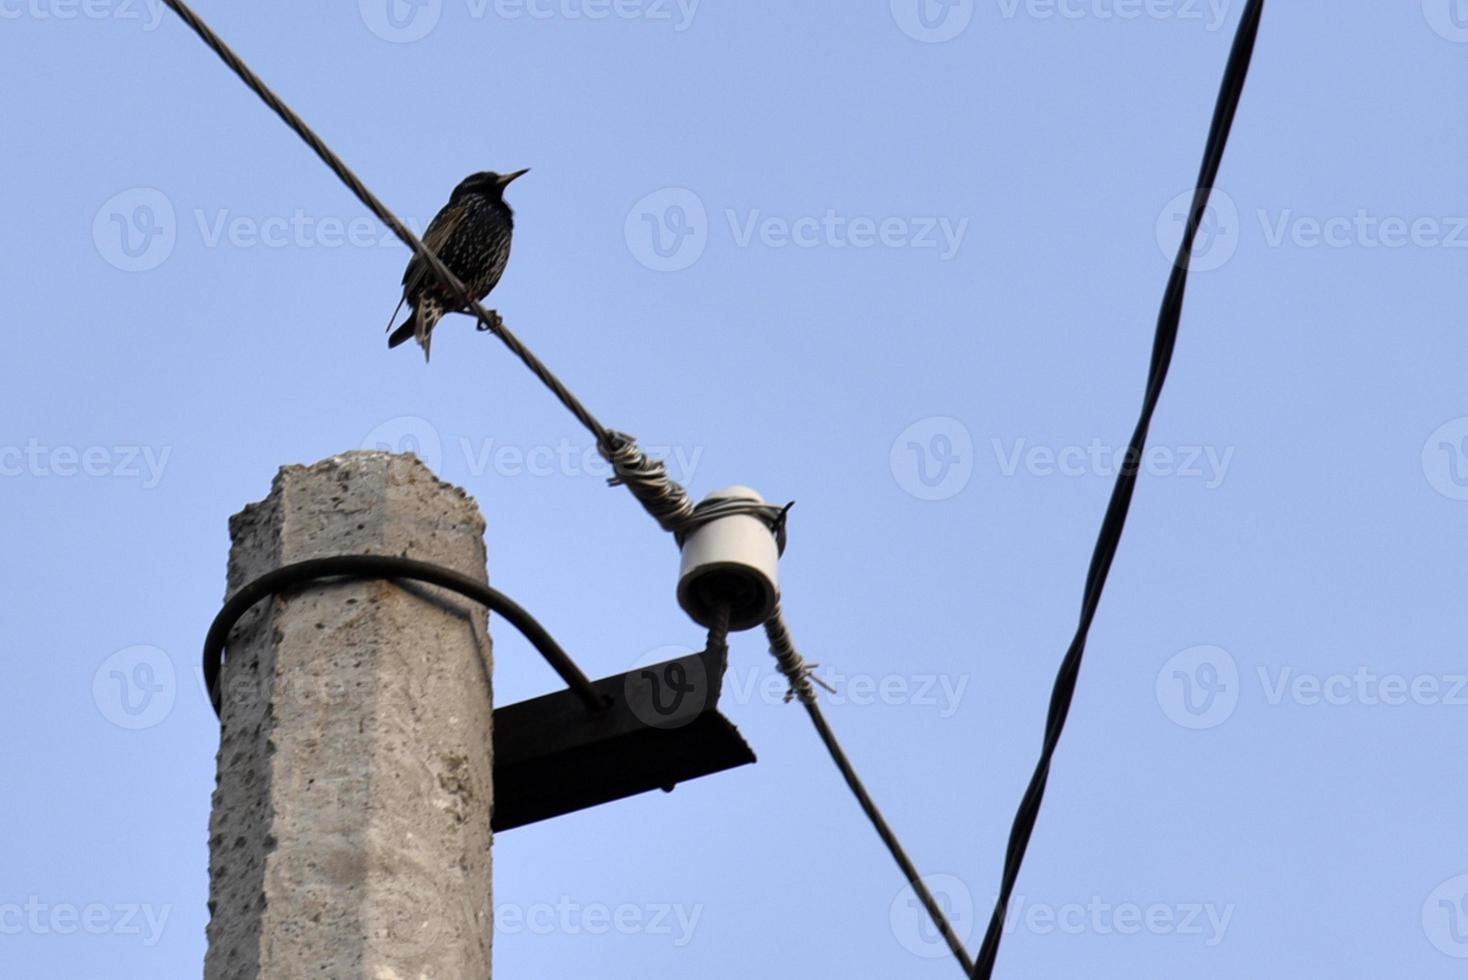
{"x": 494, "y": 324}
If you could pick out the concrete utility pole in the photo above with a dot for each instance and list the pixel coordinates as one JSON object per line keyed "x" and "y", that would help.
{"x": 351, "y": 828}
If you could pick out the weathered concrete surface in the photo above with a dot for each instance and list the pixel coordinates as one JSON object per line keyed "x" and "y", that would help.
{"x": 350, "y": 835}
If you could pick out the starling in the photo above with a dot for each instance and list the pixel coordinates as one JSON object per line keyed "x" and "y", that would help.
{"x": 472, "y": 237}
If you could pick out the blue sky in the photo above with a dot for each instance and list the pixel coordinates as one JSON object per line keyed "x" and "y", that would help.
{"x": 902, "y": 269}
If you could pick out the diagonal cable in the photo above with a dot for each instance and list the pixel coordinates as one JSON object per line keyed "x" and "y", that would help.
{"x": 1107, "y": 541}
{"x": 646, "y": 478}
{"x": 798, "y": 672}
{"x": 488, "y": 320}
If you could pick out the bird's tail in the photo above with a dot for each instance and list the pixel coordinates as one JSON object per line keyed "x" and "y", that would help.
{"x": 402, "y": 333}
{"x": 420, "y": 323}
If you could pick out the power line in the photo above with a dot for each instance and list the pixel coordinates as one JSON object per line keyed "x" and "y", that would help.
{"x": 798, "y": 672}
{"x": 1107, "y": 541}
{"x": 645, "y": 477}
{"x": 488, "y": 319}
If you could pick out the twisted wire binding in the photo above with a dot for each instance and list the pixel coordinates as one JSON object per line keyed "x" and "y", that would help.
{"x": 718, "y": 641}
{"x": 647, "y": 478}
{"x": 799, "y": 673}
{"x": 669, "y": 504}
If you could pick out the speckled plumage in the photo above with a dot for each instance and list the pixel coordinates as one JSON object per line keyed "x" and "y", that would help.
{"x": 472, "y": 237}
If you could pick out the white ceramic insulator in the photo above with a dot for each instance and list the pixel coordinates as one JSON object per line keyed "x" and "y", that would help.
{"x": 732, "y": 560}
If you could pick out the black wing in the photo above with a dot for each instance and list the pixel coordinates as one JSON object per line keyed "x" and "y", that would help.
{"x": 440, "y": 230}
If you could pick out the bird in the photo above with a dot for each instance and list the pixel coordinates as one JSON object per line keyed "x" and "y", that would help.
{"x": 471, "y": 234}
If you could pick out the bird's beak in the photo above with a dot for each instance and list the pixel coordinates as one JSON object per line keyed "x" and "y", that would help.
{"x": 505, "y": 180}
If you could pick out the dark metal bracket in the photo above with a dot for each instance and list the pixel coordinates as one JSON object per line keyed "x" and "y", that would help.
{"x": 662, "y": 727}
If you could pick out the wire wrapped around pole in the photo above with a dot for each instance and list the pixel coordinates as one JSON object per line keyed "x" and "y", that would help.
{"x": 390, "y": 567}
